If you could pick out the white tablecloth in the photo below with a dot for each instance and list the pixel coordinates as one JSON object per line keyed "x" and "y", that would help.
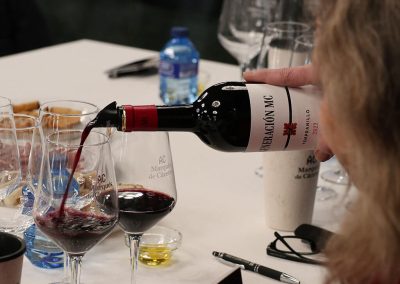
{"x": 220, "y": 198}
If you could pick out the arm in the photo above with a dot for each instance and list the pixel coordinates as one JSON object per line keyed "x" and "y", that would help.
{"x": 292, "y": 77}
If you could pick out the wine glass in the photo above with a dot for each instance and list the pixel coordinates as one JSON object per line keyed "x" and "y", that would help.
{"x": 66, "y": 114}
{"x": 18, "y": 217}
{"x": 241, "y": 28}
{"x": 337, "y": 175}
{"x": 279, "y": 42}
{"x": 76, "y": 202}
{"x": 61, "y": 115}
{"x": 301, "y": 55}
{"x": 276, "y": 52}
{"x": 10, "y": 169}
{"x": 146, "y": 184}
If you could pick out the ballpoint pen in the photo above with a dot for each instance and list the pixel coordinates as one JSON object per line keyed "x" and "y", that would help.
{"x": 257, "y": 268}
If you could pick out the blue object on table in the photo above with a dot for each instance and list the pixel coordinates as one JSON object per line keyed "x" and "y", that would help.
{"x": 60, "y": 181}
{"x": 178, "y": 70}
{"x": 27, "y": 200}
{"x": 41, "y": 251}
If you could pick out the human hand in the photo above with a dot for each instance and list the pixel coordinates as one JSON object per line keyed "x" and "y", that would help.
{"x": 292, "y": 77}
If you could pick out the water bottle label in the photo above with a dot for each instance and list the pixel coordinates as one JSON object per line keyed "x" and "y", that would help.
{"x": 178, "y": 70}
{"x": 27, "y": 199}
{"x": 282, "y": 118}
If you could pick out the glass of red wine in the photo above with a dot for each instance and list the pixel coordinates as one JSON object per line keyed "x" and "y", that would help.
{"x": 62, "y": 115}
{"x": 76, "y": 203}
{"x": 146, "y": 184}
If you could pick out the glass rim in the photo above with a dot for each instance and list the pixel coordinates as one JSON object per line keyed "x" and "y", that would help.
{"x": 282, "y": 26}
{"x": 41, "y": 110}
{"x": 76, "y": 146}
{"x": 35, "y": 119}
{"x": 4, "y": 102}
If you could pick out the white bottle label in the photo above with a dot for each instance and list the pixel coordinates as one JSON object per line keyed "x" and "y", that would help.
{"x": 283, "y": 118}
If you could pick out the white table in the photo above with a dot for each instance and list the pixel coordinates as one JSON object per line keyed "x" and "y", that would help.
{"x": 220, "y": 199}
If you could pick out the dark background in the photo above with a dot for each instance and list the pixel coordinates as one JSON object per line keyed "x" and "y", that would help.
{"x": 30, "y": 24}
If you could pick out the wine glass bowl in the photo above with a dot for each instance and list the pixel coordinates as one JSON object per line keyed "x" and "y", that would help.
{"x": 241, "y": 28}
{"x": 302, "y": 50}
{"x": 66, "y": 114}
{"x": 76, "y": 208}
{"x": 146, "y": 184}
{"x": 10, "y": 168}
{"x": 18, "y": 217}
{"x": 278, "y": 44}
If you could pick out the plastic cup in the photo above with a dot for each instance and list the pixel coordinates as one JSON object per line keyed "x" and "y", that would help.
{"x": 290, "y": 182}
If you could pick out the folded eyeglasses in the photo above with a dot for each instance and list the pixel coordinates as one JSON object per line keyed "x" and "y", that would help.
{"x": 304, "y": 246}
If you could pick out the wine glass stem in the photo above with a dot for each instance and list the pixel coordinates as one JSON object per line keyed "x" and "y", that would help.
{"x": 75, "y": 268}
{"x": 134, "y": 240}
{"x": 66, "y": 269}
{"x": 243, "y": 67}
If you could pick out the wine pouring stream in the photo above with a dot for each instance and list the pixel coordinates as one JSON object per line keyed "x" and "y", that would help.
{"x": 102, "y": 119}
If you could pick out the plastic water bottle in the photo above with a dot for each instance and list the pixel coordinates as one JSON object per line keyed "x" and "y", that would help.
{"x": 179, "y": 62}
{"x": 40, "y": 250}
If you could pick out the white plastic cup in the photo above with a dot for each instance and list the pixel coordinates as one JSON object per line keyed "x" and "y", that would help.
{"x": 290, "y": 182}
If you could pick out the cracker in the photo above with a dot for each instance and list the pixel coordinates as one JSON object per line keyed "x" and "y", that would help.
{"x": 28, "y": 106}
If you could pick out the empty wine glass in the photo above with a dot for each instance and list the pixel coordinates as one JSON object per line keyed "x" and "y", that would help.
{"x": 146, "y": 184}
{"x": 66, "y": 114}
{"x": 279, "y": 42}
{"x": 17, "y": 218}
{"x": 301, "y": 55}
{"x": 10, "y": 169}
{"x": 302, "y": 50}
{"x": 76, "y": 211}
{"x": 241, "y": 28}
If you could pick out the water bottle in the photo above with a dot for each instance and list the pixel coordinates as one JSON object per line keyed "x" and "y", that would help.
{"x": 40, "y": 250}
{"x": 179, "y": 61}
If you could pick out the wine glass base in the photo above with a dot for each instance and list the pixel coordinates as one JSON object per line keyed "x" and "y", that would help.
{"x": 324, "y": 193}
{"x": 335, "y": 176}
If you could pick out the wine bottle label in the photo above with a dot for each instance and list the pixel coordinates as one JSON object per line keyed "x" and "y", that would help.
{"x": 283, "y": 118}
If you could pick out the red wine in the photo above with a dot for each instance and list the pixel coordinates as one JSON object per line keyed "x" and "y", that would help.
{"x": 76, "y": 231}
{"x": 84, "y": 136}
{"x": 231, "y": 116}
{"x": 140, "y": 209}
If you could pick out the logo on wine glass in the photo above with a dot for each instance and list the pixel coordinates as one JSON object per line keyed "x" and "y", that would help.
{"x": 162, "y": 159}
{"x": 289, "y": 129}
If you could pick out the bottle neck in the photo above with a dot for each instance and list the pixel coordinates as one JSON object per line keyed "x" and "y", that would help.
{"x": 156, "y": 118}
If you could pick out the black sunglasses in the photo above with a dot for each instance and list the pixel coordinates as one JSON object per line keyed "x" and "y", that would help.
{"x": 288, "y": 253}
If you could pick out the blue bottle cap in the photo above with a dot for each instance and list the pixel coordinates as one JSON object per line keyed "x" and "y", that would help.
{"x": 179, "y": 32}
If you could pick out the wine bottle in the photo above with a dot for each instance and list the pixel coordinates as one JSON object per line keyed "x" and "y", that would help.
{"x": 232, "y": 117}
